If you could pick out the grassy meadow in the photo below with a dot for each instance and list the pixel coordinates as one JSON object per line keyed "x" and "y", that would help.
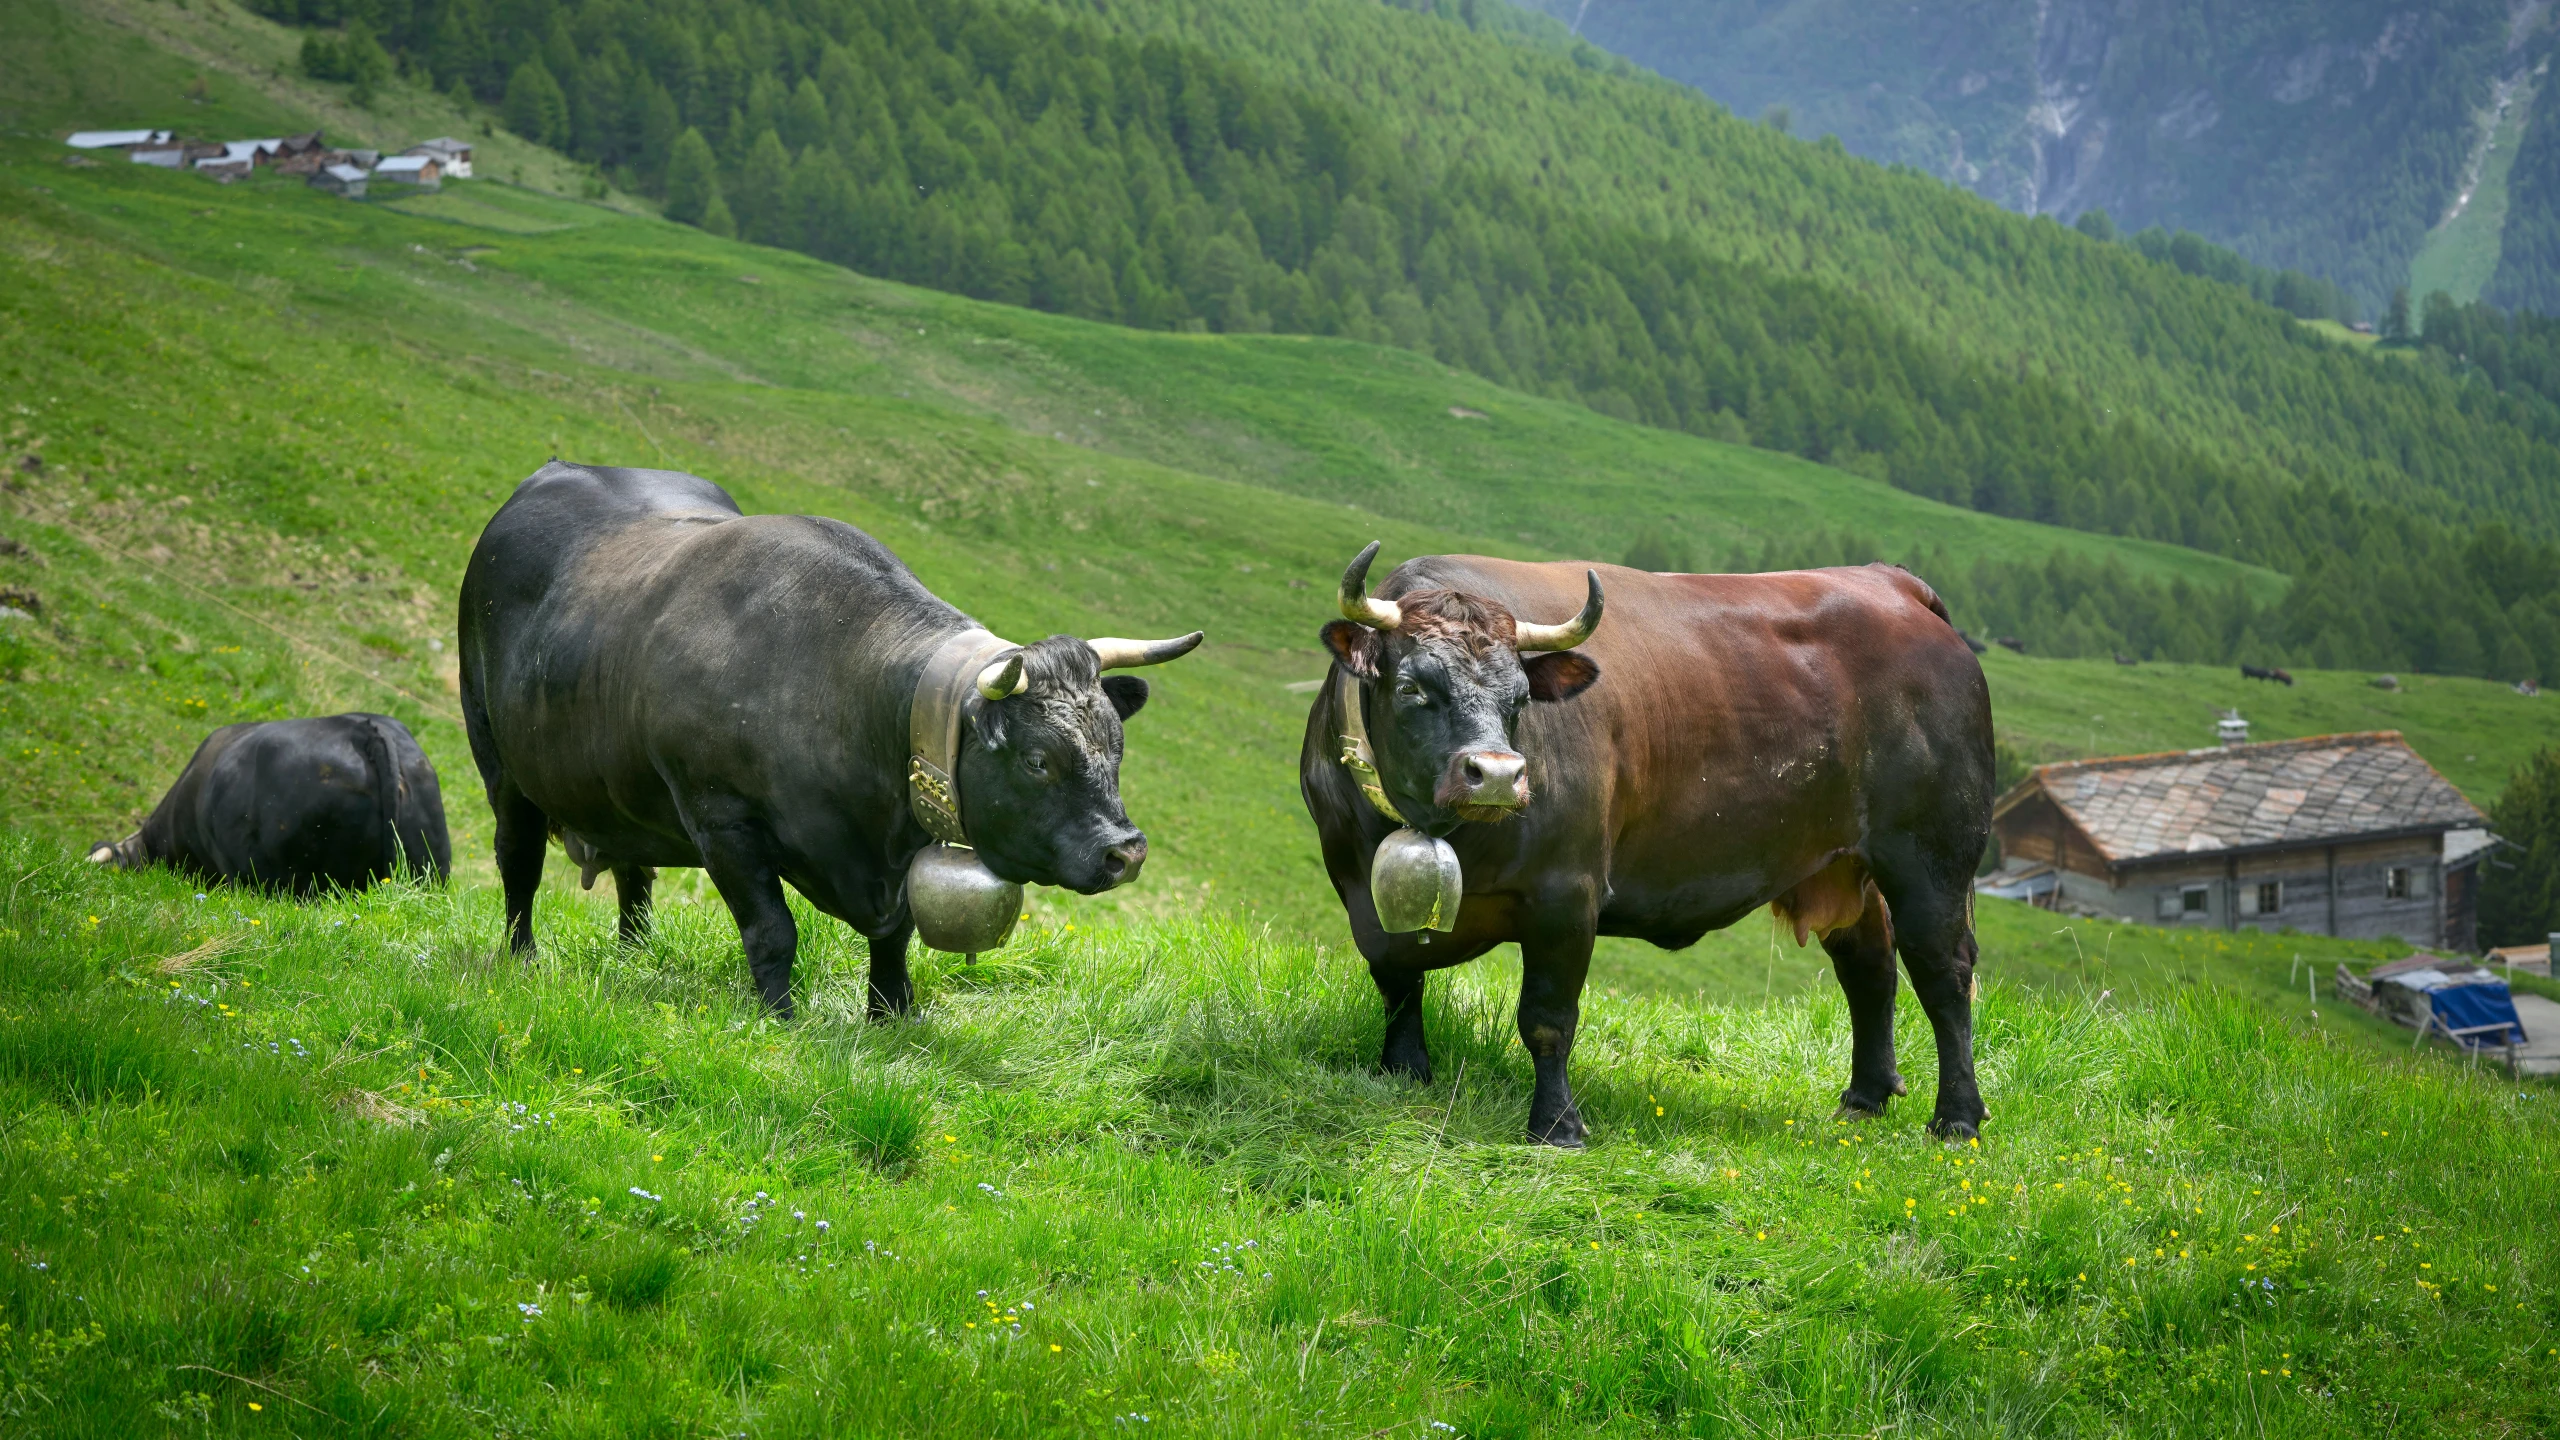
{"x": 347, "y": 1164}
{"x": 344, "y": 1168}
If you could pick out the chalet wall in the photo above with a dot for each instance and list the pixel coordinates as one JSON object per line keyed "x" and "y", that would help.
{"x": 2362, "y": 906}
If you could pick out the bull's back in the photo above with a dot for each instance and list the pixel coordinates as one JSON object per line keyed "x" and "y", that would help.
{"x": 1748, "y": 725}
{"x": 303, "y": 803}
{"x": 553, "y": 520}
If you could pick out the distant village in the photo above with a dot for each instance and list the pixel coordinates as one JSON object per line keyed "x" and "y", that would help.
{"x": 423, "y": 166}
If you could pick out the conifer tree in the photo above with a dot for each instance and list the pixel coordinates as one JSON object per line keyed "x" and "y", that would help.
{"x": 757, "y": 198}
{"x": 536, "y": 108}
{"x": 693, "y": 180}
{"x": 716, "y": 218}
{"x": 2520, "y": 881}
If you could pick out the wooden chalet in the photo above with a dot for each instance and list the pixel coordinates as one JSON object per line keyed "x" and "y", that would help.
{"x": 2351, "y": 835}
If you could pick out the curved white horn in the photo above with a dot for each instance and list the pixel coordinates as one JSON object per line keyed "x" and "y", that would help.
{"x": 1119, "y": 654}
{"x": 1002, "y": 677}
{"x": 1356, "y": 604}
{"x": 1572, "y": 632}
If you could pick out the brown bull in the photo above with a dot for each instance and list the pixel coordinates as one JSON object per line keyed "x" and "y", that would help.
{"x": 1818, "y": 742}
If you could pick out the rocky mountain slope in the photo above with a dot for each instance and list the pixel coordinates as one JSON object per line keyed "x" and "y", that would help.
{"x": 2328, "y": 136}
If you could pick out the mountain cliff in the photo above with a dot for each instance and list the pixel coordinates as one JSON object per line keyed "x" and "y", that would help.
{"x": 2327, "y": 136}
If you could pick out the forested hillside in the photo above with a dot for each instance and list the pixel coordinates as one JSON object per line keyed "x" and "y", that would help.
{"x": 1512, "y": 208}
{"x": 2326, "y": 136}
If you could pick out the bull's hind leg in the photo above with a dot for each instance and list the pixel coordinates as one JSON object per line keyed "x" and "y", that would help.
{"x": 1862, "y": 958}
{"x": 632, "y": 887}
{"x": 522, "y": 833}
{"x": 1933, "y": 924}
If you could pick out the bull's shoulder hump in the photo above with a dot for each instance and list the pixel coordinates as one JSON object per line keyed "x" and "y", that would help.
{"x": 631, "y": 492}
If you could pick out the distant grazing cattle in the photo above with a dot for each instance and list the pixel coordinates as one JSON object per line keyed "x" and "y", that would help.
{"x": 2011, "y": 642}
{"x": 1971, "y": 643}
{"x": 1817, "y": 741}
{"x": 2124, "y": 659}
{"x": 2260, "y": 672}
{"x": 297, "y": 805}
{"x": 661, "y": 680}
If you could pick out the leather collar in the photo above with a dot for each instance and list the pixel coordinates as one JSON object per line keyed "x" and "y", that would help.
{"x": 943, "y": 692}
{"x": 1354, "y": 749}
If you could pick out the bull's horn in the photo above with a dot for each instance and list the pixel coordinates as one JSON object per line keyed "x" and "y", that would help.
{"x": 1118, "y": 654}
{"x": 1572, "y": 632}
{"x": 1356, "y": 604}
{"x": 1001, "y": 677}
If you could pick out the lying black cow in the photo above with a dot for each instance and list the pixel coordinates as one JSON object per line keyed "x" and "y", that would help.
{"x": 1818, "y": 742}
{"x": 298, "y": 805}
{"x": 661, "y": 680}
{"x": 2261, "y": 672}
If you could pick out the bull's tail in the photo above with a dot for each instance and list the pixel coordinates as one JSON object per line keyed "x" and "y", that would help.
{"x": 386, "y": 785}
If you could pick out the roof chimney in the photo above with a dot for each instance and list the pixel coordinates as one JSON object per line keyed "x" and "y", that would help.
{"x": 2231, "y": 729}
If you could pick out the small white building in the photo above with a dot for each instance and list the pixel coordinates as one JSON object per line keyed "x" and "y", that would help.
{"x": 453, "y": 156}
{"x": 422, "y": 171}
{"x": 345, "y": 180}
{"x": 117, "y": 139}
{"x": 237, "y": 158}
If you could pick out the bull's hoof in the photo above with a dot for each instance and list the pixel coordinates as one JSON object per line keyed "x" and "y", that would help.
{"x": 1417, "y": 1071}
{"x": 1868, "y": 1102}
{"x": 1946, "y": 1128}
{"x": 1564, "y": 1132}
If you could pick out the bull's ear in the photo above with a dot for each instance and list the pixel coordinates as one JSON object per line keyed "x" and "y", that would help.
{"x": 1356, "y": 646}
{"x": 987, "y": 718}
{"x": 1560, "y": 675}
{"x": 1127, "y": 694}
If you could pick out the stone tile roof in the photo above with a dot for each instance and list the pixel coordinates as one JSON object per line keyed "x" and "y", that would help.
{"x": 2285, "y": 792}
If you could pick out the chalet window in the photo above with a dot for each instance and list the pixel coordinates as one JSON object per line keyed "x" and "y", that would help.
{"x": 2195, "y": 900}
{"x": 2395, "y": 886}
{"x": 2270, "y": 896}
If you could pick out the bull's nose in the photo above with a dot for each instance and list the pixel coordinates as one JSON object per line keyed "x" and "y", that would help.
{"x": 1121, "y": 863}
{"x": 1493, "y": 777}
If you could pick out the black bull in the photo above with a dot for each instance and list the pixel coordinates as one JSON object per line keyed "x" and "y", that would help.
{"x": 297, "y": 805}
{"x": 661, "y": 680}
{"x": 1819, "y": 741}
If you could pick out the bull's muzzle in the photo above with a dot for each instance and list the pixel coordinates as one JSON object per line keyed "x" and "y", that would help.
{"x": 1487, "y": 779}
{"x": 1121, "y": 863}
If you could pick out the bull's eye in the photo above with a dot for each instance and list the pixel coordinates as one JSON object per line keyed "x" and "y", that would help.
{"x": 1412, "y": 693}
{"x": 1035, "y": 764}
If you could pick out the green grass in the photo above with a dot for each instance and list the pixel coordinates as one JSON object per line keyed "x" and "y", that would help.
{"x": 265, "y": 1153}
{"x": 2460, "y": 254}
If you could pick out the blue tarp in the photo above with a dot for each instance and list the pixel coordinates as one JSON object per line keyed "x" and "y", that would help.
{"x": 2460, "y": 1007}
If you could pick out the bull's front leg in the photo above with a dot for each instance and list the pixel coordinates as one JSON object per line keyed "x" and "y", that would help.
{"x": 736, "y": 858}
{"x": 1400, "y": 989}
{"x": 893, "y": 990}
{"x": 1555, "y": 958}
